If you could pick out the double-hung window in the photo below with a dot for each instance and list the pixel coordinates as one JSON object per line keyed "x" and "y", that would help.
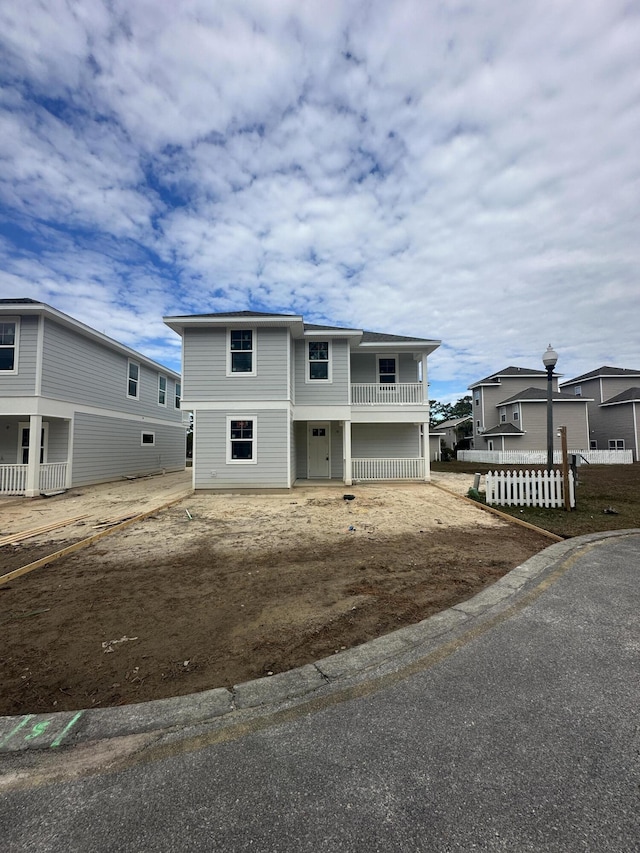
{"x": 319, "y": 361}
{"x": 162, "y": 390}
{"x": 616, "y": 444}
{"x": 9, "y": 346}
{"x": 387, "y": 370}
{"x": 178, "y": 394}
{"x": 133, "y": 380}
{"x": 241, "y": 443}
{"x": 241, "y": 355}
{"x": 503, "y": 416}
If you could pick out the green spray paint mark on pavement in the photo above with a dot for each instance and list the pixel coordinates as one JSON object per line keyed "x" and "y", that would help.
{"x": 67, "y": 728}
{"x": 15, "y": 731}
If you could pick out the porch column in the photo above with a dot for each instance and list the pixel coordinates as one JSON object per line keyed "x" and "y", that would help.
{"x": 346, "y": 451}
{"x": 425, "y": 451}
{"x": 33, "y": 466}
{"x": 425, "y": 384}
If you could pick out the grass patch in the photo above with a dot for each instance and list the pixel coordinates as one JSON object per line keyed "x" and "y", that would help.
{"x": 600, "y": 488}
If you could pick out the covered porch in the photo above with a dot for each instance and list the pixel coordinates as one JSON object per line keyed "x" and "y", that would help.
{"x": 346, "y": 452}
{"x": 31, "y": 468}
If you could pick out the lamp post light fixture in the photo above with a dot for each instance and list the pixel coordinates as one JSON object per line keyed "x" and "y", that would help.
{"x": 550, "y": 359}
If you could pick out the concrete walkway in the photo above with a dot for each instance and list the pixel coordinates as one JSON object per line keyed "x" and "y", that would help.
{"x": 508, "y": 723}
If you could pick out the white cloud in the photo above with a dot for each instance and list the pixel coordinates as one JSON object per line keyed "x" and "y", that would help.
{"x": 463, "y": 172}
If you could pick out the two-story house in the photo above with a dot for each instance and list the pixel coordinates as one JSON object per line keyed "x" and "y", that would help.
{"x": 275, "y": 400}
{"x": 613, "y": 395}
{"x": 100, "y": 409}
{"x": 510, "y": 412}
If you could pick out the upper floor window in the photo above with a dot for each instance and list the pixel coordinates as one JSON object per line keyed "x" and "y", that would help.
{"x": 241, "y": 355}
{"x": 516, "y": 413}
{"x": 387, "y": 370}
{"x": 578, "y": 391}
{"x": 503, "y": 416}
{"x": 162, "y": 390}
{"x": 133, "y": 380}
{"x": 319, "y": 363}
{"x": 9, "y": 345}
{"x": 476, "y": 398}
{"x": 178, "y": 394}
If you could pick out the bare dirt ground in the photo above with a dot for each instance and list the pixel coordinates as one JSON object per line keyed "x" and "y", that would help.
{"x": 219, "y": 589}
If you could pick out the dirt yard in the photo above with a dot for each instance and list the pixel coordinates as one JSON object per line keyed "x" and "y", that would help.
{"x": 219, "y": 589}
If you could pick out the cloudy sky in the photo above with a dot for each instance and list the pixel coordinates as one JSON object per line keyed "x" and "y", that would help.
{"x": 462, "y": 170}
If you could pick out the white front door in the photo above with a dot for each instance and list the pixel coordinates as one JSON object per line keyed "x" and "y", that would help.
{"x": 319, "y": 451}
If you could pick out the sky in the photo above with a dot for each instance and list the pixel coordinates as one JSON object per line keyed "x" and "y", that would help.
{"x": 464, "y": 171}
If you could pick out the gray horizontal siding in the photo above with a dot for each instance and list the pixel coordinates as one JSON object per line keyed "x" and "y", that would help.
{"x": 396, "y": 441}
{"x": 534, "y": 424}
{"x": 81, "y": 370}
{"x": 211, "y": 469}
{"x": 364, "y": 367}
{"x": 618, "y": 423}
{"x": 334, "y": 393}
{"x": 205, "y": 367}
{"x": 23, "y": 383}
{"x": 107, "y": 448}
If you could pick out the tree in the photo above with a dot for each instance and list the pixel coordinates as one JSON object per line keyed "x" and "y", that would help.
{"x": 439, "y": 412}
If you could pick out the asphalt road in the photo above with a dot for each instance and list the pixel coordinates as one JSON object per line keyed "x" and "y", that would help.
{"x": 523, "y": 735}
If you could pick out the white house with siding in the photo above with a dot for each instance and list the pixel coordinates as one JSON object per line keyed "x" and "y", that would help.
{"x": 102, "y": 410}
{"x": 276, "y": 400}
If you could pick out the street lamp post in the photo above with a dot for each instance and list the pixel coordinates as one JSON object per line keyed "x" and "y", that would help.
{"x": 550, "y": 359}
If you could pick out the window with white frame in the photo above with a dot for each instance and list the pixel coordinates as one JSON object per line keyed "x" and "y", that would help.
{"x": 578, "y": 391}
{"x": 593, "y": 444}
{"x": 241, "y": 354}
{"x": 319, "y": 361}
{"x": 387, "y": 369}
{"x": 162, "y": 390}
{"x": 8, "y": 346}
{"x": 241, "y": 441}
{"x": 133, "y": 380}
{"x": 476, "y": 397}
{"x": 178, "y": 394}
{"x": 503, "y": 416}
{"x": 148, "y": 439}
{"x": 516, "y": 413}
{"x": 616, "y": 444}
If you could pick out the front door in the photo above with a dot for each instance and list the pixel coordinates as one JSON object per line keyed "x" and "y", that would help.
{"x": 319, "y": 451}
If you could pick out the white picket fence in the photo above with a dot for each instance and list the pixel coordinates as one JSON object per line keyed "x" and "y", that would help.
{"x": 387, "y": 469}
{"x": 539, "y": 457}
{"x": 528, "y": 488}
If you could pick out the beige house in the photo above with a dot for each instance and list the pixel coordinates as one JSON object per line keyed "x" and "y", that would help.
{"x": 510, "y": 412}
{"x": 613, "y": 402}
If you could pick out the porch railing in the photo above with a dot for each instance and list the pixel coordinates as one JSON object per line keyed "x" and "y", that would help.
{"x": 397, "y": 394}
{"x": 13, "y": 479}
{"x": 52, "y": 478}
{"x": 387, "y": 469}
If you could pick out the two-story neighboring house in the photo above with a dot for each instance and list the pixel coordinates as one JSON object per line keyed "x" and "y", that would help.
{"x": 613, "y": 395}
{"x": 276, "y": 400}
{"x": 510, "y": 412}
{"x": 100, "y": 409}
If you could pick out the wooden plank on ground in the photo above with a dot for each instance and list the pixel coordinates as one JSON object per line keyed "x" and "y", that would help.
{"x": 36, "y": 531}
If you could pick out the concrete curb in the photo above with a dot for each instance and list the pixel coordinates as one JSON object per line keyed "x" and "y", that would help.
{"x": 373, "y": 660}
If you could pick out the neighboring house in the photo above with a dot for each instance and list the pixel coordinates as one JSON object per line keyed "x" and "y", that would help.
{"x": 510, "y": 412}
{"x": 452, "y": 431}
{"x": 101, "y": 410}
{"x": 276, "y": 400}
{"x": 614, "y": 411}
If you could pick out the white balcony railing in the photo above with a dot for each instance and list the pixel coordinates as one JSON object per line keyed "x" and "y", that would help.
{"x": 387, "y": 469}
{"x": 52, "y": 478}
{"x": 397, "y": 394}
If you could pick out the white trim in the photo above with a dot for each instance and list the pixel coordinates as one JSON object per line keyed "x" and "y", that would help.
{"x": 16, "y": 345}
{"x": 229, "y": 405}
{"x": 144, "y": 443}
{"x": 615, "y": 441}
{"x": 635, "y": 430}
{"x": 45, "y": 443}
{"x": 18, "y": 407}
{"x": 135, "y": 396}
{"x": 307, "y": 369}
{"x": 254, "y": 352}
{"x": 253, "y": 439}
{"x": 177, "y": 397}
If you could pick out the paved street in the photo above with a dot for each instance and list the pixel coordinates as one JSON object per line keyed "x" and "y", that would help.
{"x": 521, "y": 734}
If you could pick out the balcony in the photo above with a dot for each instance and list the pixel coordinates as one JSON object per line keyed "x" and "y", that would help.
{"x": 397, "y": 394}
